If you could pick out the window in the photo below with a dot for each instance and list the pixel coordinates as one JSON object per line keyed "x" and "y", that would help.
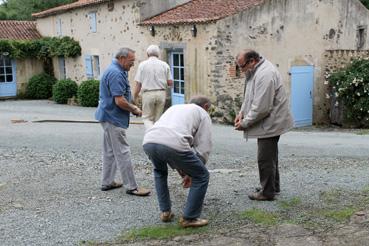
{"x": 96, "y": 66}
{"x": 92, "y": 66}
{"x": 6, "y": 70}
{"x": 361, "y": 37}
{"x": 92, "y": 18}
{"x": 59, "y": 27}
{"x": 62, "y": 70}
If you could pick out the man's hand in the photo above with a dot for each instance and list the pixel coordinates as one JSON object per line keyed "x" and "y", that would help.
{"x": 238, "y": 122}
{"x": 186, "y": 182}
{"x": 137, "y": 111}
{"x": 238, "y": 118}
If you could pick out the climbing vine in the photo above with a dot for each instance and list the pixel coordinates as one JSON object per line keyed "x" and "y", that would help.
{"x": 41, "y": 48}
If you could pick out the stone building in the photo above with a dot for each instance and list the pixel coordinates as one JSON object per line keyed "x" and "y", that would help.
{"x": 15, "y": 73}
{"x": 200, "y": 39}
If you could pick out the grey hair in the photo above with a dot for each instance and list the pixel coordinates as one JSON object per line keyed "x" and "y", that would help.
{"x": 200, "y": 100}
{"x": 153, "y": 50}
{"x": 123, "y": 52}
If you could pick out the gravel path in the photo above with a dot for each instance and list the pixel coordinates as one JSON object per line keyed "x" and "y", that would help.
{"x": 50, "y": 175}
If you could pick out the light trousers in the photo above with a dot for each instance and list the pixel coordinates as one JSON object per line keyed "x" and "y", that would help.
{"x": 153, "y": 103}
{"x": 117, "y": 154}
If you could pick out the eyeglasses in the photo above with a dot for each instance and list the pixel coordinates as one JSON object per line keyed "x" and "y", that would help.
{"x": 245, "y": 64}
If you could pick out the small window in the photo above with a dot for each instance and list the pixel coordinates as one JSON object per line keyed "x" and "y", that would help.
{"x": 6, "y": 70}
{"x": 361, "y": 36}
{"x": 62, "y": 70}
{"x": 92, "y": 18}
{"x": 59, "y": 27}
{"x": 89, "y": 67}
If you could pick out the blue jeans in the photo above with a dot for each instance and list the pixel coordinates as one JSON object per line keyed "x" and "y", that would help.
{"x": 190, "y": 164}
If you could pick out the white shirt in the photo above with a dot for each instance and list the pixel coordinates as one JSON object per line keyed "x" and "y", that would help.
{"x": 153, "y": 74}
{"x": 183, "y": 127}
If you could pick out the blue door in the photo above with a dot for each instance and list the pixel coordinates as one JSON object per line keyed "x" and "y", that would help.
{"x": 8, "y": 84}
{"x": 302, "y": 79}
{"x": 177, "y": 67}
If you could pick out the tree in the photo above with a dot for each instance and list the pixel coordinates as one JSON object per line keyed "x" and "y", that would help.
{"x": 23, "y": 9}
{"x": 366, "y": 3}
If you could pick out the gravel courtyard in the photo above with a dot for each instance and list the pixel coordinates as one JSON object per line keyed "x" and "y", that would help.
{"x": 50, "y": 176}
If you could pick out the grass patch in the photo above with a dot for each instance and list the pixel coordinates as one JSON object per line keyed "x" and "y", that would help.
{"x": 362, "y": 132}
{"x": 259, "y": 216}
{"x": 366, "y": 189}
{"x": 286, "y": 204}
{"x": 160, "y": 232}
{"x": 340, "y": 215}
{"x": 331, "y": 197}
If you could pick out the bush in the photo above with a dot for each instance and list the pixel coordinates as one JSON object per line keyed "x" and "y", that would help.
{"x": 64, "y": 89}
{"x": 40, "y": 86}
{"x": 88, "y": 93}
{"x": 351, "y": 86}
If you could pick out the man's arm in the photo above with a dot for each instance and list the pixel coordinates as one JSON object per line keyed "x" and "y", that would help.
{"x": 125, "y": 105}
{"x": 170, "y": 82}
{"x": 137, "y": 90}
{"x": 202, "y": 142}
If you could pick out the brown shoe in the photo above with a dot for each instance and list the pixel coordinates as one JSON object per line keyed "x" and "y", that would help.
{"x": 258, "y": 196}
{"x": 139, "y": 192}
{"x": 166, "y": 216}
{"x": 112, "y": 186}
{"x": 184, "y": 223}
{"x": 276, "y": 193}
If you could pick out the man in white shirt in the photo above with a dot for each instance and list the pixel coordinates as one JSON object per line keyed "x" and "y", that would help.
{"x": 152, "y": 78}
{"x": 181, "y": 138}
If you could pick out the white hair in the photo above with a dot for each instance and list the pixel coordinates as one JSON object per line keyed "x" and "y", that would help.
{"x": 153, "y": 50}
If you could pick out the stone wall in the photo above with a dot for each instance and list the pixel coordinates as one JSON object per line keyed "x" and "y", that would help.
{"x": 26, "y": 68}
{"x": 335, "y": 60}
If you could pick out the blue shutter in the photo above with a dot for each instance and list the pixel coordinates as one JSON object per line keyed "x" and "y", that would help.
{"x": 89, "y": 67}
{"x": 92, "y": 17}
{"x": 62, "y": 71}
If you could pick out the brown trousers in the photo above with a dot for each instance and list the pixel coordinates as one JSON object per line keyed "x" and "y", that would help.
{"x": 268, "y": 165}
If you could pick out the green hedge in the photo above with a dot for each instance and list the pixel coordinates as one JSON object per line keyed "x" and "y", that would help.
{"x": 64, "y": 89}
{"x": 351, "y": 87}
{"x": 40, "y": 86}
{"x": 88, "y": 93}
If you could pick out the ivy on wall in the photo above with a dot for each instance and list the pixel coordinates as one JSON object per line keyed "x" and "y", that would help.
{"x": 41, "y": 48}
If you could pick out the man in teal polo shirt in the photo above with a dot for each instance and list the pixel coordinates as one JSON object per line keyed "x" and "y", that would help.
{"x": 113, "y": 113}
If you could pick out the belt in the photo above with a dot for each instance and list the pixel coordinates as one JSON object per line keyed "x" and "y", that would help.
{"x": 154, "y": 90}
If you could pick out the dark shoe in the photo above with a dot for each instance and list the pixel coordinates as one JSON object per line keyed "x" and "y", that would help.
{"x": 260, "y": 197}
{"x": 258, "y": 189}
{"x": 184, "y": 223}
{"x": 166, "y": 216}
{"x": 111, "y": 187}
{"x": 139, "y": 192}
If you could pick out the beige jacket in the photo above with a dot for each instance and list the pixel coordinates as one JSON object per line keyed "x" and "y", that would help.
{"x": 265, "y": 107}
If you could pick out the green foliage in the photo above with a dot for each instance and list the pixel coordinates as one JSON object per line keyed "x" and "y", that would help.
{"x": 366, "y": 3}
{"x": 160, "y": 232}
{"x": 64, "y": 89}
{"x": 351, "y": 86}
{"x": 23, "y": 9}
{"x": 40, "y": 86}
{"x": 88, "y": 93}
{"x": 42, "y": 48}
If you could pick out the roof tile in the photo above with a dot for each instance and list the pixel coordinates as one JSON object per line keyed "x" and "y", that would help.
{"x": 18, "y": 30}
{"x": 201, "y": 11}
{"x": 66, "y": 7}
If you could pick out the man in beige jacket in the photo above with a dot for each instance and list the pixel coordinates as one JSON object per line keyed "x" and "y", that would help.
{"x": 264, "y": 115}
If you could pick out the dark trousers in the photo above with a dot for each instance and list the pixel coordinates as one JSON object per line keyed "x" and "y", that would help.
{"x": 268, "y": 165}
